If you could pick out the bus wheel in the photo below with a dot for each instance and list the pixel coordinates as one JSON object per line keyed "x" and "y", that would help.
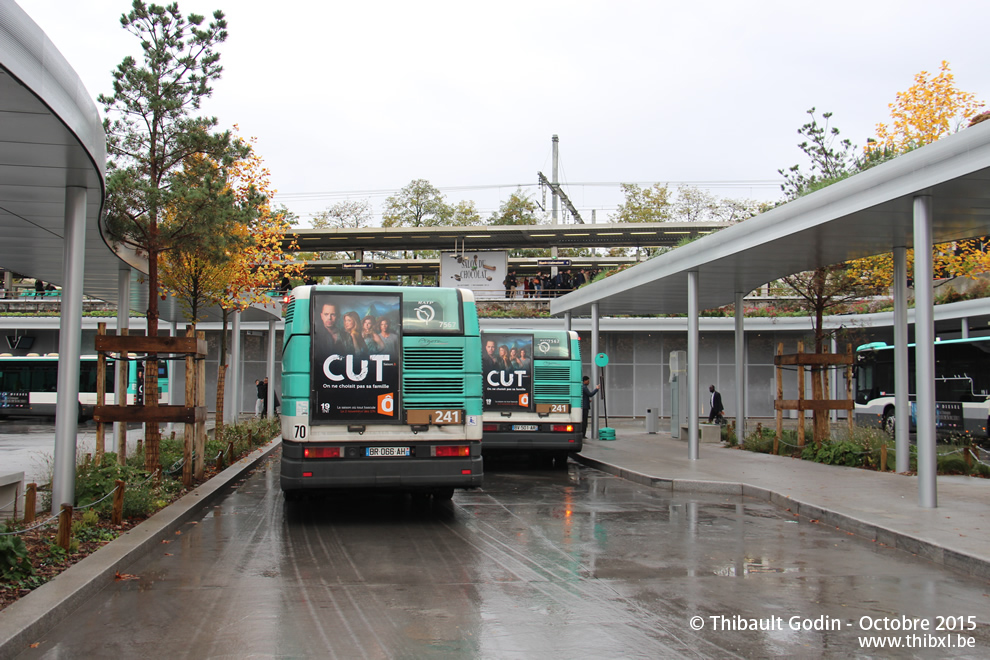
{"x": 888, "y": 422}
{"x": 443, "y": 493}
{"x": 291, "y": 495}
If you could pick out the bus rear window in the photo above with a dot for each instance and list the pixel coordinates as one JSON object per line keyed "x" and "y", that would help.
{"x": 551, "y": 345}
{"x": 428, "y": 311}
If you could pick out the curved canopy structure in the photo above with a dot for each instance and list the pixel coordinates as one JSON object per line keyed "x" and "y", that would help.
{"x": 51, "y": 138}
{"x": 869, "y": 213}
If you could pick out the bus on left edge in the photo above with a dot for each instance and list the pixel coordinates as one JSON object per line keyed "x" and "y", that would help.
{"x": 28, "y": 384}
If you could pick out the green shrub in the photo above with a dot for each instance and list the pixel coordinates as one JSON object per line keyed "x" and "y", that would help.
{"x": 729, "y": 434}
{"x": 138, "y": 502}
{"x": 93, "y": 482}
{"x": 14, "y": 563}
{"x": 762, "y": 440}
{"x": 842, "y": 452}
{"x": 951, "y": 464}
{"x": 171, "y": 451}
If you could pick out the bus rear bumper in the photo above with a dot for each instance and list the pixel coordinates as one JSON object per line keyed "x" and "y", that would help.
{"x": 387, "y": 473}
{"x": 516, "y": 441}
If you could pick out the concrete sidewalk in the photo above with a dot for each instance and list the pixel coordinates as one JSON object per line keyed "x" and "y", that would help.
{"x": 877, "y": 505}
{"x": 24, "y": 621}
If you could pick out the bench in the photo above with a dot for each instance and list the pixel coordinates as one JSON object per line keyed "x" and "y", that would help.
{"x": 11, "y": 493}
{"x": 707, "y": 433}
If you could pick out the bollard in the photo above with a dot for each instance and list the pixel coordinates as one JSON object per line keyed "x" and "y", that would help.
{"x": 230, "y": 452}
{"x": 30, "y": 502}
{"x": 968, "y": 455}
{"x": 117, "y": 516}
{"x": 65, "y": 527}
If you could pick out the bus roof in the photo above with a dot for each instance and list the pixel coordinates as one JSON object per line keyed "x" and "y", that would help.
{"x": 880, "y": 346}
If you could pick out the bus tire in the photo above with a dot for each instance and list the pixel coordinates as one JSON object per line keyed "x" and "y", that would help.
{"x": 443, "y": 494}
{"x": 888, "y": 424}
{"x": 291, "y": 495}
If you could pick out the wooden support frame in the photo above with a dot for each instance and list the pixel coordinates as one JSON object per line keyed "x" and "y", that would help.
{"x": 819, "y": 402}
{"x": 193, "y": 413}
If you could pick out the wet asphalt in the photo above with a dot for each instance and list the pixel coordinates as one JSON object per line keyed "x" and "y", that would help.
{"x": 539, "y": 563}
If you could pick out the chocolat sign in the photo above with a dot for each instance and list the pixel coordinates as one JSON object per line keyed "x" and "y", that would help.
{"x": 356, "y": 357}
{"x": 507, "y": 371}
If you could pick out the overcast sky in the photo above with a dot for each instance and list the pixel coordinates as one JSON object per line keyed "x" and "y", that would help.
{"x": 357, "y": 99}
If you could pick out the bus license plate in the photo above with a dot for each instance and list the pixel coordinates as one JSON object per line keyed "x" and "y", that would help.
{"x": 525, "y": 427}
{"x": 372, "y": 452}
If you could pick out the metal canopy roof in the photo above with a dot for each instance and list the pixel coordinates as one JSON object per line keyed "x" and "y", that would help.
{"x": 500, "y": 237}
{"x": 869, "y": 213}
{"x": 51, "y": 137}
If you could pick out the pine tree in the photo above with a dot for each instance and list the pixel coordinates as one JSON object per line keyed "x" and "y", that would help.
{"x": 151, "y": 131}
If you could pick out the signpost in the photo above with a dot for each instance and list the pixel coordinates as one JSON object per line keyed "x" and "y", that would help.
{"x": 604, "y": 433}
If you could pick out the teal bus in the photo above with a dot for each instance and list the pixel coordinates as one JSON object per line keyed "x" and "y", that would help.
{"x": 532, "y": 392}
{"x": 28, "y": 384}
{"x": 381, "y": 389}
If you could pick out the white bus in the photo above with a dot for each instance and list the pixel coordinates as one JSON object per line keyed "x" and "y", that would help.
{"x": 962, "y": 386}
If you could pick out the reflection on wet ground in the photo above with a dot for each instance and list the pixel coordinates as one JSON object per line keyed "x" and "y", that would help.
{"x": 538, "y": 563}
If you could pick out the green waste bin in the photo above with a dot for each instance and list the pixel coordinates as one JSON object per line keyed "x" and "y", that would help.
{"x": 606, "y": 433}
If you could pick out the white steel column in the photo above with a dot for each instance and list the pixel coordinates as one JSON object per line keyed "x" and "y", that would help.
{"x": 123, "y": 323}
{"x": 567, "y": 320}
{"x": 270, "y": 368}
{"x": 964, "y": 328}
{"x": 902, "y": 405}
{"x": 235, "y": 369}
{"x": 692, "y": 365}
{"x": 593, "y": 415}
{"x": 740, "y": 369}
{"x": 69, "y": 343}
{"x": 924, "y": 352}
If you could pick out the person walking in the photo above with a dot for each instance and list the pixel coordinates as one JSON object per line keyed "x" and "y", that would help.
{"x": 262, "y": 397}
{"x": 586, "y": 395}
{"x": 259, "y": 404}
{"x": 715, "y": 411}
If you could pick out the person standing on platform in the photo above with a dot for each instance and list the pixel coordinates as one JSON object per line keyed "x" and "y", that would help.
{"x": 586, "y": 395}
{"x": 263, "y": 396}
{"x": 259, "y": 405}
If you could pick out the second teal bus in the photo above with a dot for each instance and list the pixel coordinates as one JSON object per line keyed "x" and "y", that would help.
{"x": 532, "y": 392}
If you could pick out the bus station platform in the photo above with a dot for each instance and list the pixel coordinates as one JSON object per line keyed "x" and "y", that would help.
{"x": 879, "y": 506}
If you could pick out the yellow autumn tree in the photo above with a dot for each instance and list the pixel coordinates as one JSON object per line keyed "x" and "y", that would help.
{"x": 929, "y": 110}
{"x": 246, "y": 258}
{"x": 257, "y": 269}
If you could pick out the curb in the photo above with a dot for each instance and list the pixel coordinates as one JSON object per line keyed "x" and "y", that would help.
{"x": 965, "y": 563}
{"x": 30, "y": 617}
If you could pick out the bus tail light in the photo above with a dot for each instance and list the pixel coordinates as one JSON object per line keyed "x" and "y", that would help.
{"x": 489, "y": 427}
{"x": 455, "y": 450}
{"x": 562, "y": 428}
{"x": 321, "y": 452}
